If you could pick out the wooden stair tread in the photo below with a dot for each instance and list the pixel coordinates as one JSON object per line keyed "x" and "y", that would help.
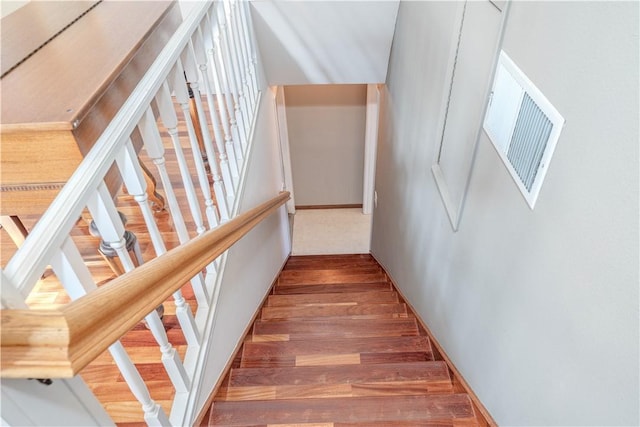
{"x": 281, "y": 289}
{"x": 335, "y": 345}
{"x": 337, "y": 328}
{"x": 309, "y": 375}
{"x": 338, "y": 297}
{"x": 325, "y": 272}
{"x": 332, "y": 264}
{"x": 445, "y": 407}
{"x": 335, "y": 310}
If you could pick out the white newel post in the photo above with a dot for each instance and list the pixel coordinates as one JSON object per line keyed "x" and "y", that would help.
{"x": 111, "y": 230}
{"x": 219, "y": 184}
{"x": 137, "y": 187}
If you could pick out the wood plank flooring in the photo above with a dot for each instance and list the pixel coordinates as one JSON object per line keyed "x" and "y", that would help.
{"x": 335, "y": 345}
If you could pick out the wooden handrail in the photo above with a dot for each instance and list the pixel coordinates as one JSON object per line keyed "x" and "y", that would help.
{"x": 59, "y": 343}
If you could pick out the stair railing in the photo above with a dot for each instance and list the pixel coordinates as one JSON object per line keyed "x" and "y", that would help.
{"x": 212, "y": 54}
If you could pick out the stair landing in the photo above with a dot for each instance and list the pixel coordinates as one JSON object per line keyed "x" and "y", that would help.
{"x": 335, "y": 345}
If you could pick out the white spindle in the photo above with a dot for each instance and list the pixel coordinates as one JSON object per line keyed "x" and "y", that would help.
{"x": 223, "y": 100}
{"x": 153, "y": 413}
{"x": 155, "y": 150}
{"x": 219, "y": 183}
{"x": 137, "y": 187}
{"x": 237, "y": 63}
{"x": 222, "y": 64}
{"x": 244, "y": 57}
{"x": 179, "y": 86}
{"x": 76, "y": 278}
{"x": 111, "y": 230}
{"x": 241, "y": 105}
{"x": 251, "y": 58}
{"x": 200, "y": 57}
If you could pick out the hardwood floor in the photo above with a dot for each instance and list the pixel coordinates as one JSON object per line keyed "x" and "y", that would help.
{"x": 335, "y": 345}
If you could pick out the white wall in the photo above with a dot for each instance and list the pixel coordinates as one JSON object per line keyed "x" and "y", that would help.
{"x": 324, "y": 42}
{"x": 254, "y": 262}
{"x": 8, "y": 7}
{"x": 326, "y": 126}
{"x": 538, "y": 309}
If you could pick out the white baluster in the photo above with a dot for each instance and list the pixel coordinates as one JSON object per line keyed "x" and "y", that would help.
{"x": 73, "y": 273}
{"x": 225, "y": 78}
{"x": 170, "y": 121}
{"x": 242, "y": 104}
{"x": 244, "y": 55}
{"x": 111, "y": 230}
{"x": 225, "y": 105}
{"x": 155, "y": 150}
{"x": 153, "y": 413}
{"x": 137, "y": 187}
{"x": 251, "y": 52}
{"x": 219, "y": 184}
{"x": 228, "y": 175}
{"x": 236, "y": 53}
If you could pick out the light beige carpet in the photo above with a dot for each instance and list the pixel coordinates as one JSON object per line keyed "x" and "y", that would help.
{"x": 331, "y": 231}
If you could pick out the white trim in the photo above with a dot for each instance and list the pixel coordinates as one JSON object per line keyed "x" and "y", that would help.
{"x": 455, "y": 212}
{"x": 285, "y": 150}
{"x": 370, "y": 148}
{"x": 501, "y": 140}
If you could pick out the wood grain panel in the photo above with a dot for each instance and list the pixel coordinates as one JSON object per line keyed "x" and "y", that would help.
{"x": 371, "y": 311}
{"x": 342, "y": 297}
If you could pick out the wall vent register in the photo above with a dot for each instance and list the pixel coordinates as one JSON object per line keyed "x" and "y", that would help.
{"x": 523, "y": 126}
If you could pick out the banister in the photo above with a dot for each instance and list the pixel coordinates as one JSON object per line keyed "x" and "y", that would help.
{"x": 59, "y": 343}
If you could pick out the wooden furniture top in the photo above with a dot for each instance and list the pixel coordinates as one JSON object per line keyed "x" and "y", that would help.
{"x": 43, "y": 20}
{"x": 55, "y": 88}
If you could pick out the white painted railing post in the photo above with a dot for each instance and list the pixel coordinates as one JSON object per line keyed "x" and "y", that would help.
{"x": 155, "y": 150}
{"x": 220, "y": 185}
{"x": 153, "y": 414}
{"x": 182, "y": 97}
{"x": 222, "y": 98}
{"x": 244, "y": 57}
{"x": 137, "y": 187}
{"x": 233, "y": 49}
{"x": 200, "y": 55}
{"x": 76, "y": 278}
{"x": 111, "y": 230}
{"x": 251, "y": 53}
{"x": 222, "y": 63}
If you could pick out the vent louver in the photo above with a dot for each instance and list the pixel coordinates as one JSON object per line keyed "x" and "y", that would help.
{"x": 523, "y": 126}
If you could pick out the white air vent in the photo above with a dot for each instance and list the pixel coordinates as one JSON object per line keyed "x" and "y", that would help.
{"x": 523, "y": 126}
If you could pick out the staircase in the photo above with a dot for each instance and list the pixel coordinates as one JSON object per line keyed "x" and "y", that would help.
{"x": 335, "y": 345}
